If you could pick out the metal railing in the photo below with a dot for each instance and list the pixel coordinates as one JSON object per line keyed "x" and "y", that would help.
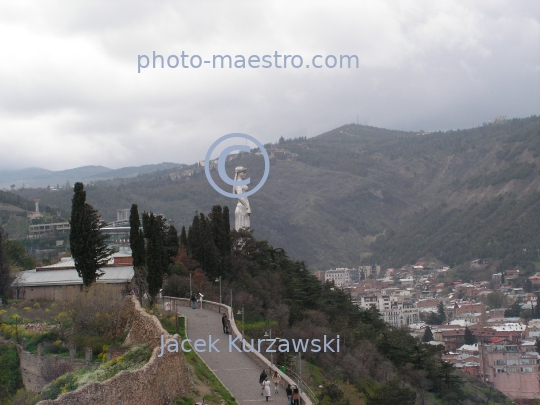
{"x": 302, "y": 385}
{"x": 306, "y": 397}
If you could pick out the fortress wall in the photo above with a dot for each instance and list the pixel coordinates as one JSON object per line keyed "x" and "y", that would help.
{"x": 38, "y": 371}
{"x": 158, "y": 382}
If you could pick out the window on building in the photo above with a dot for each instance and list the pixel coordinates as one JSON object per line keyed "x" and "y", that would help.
{"x": 527, "y": 361}
{"x": 513, "y": 369}
{"x": 499, "y": 362}
{"x": 513, "y": 363}
{"x": 526, "y": 369}
{"x": 500, "y": 370}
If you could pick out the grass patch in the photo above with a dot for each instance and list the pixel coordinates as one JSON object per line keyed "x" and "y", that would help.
{"x": 10, "y": 373}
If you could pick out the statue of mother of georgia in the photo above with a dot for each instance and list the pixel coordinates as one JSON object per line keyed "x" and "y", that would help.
{"x": 243, "y": 211}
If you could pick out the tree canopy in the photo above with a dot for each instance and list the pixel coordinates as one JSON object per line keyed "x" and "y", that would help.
{"x": 138, "y": 252}
{"x": 87, "y": 243}
{"x": 275, "y": 289}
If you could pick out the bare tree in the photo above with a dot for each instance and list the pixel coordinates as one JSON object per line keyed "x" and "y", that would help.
{"x": 98, "y": 312}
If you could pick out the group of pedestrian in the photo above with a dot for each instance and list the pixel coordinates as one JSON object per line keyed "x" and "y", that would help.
{"x": 293, "y": 395}
{"x": 292, "y": 392}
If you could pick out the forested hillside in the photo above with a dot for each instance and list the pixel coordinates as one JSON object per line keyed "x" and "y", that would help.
{"x": 13, "y": 214}
{"x": 328, "y": 200}
{"x": 376, "y": 363}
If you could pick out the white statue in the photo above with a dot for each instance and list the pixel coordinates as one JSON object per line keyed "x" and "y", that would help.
{"x": 243, "y": 211}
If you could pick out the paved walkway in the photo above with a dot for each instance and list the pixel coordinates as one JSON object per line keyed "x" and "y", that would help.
{"x": 236, "y": 370}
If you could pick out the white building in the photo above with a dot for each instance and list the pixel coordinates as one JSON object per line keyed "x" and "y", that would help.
{"x": 396, "y": 312}
{"x": 342, "y": 277}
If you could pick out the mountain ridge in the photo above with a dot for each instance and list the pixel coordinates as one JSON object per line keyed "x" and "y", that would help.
{"x": 38, "y": 177}
{"x": 328, "y": 197}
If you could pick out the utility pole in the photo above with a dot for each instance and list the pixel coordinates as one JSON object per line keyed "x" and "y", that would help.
{"x": 300, "y": 365}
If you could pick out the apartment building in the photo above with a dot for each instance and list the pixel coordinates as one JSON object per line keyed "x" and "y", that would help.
{"x": 40, "y": 229}
{"x": 396, "y": 312}
{"x": 342, "y": 277}
{"x": 372, "y": 270}
{"x": 510, "y": 370}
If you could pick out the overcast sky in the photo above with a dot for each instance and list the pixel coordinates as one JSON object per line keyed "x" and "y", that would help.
{"x": 71, "y": 94}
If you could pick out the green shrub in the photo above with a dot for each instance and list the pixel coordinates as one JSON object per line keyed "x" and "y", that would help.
{"x": 24, "y": 397}
{"x": 10, "y": 373}
{"x": 134, "y": 359}
{"x": 96, "y": 343}
{"x": 32, "y": 340}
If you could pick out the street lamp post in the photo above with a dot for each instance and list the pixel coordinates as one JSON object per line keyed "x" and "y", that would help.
{"x": 271, "y": 354}
{"x": 300, "y": 364}
{"x": 219, "y": 279}
{"x": 242, "y": 312}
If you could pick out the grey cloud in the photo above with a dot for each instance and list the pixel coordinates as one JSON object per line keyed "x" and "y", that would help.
{"x": 70, "y": 86}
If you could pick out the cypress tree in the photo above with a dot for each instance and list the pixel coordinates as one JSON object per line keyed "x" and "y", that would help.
{"x": 201, "y": 244}
{"x": 216, "y": 225}
{"x": 183, "y": 238}
{"x": 440, "y": 311}
{"x": 217, "y": 229}
{"x": 194, "y": 239}
{"x": 470, "y": 339}
{"x": 189, "y": 242}
{"x": 87, "y": 244}
{"x": 156, "y": 254}
{"x": 172, "y": 243}
{"x": 209, "y": 253}
{"x": 428, "y": 335}
{"x": 4, "y": 268}
{"x": 227, "y": 228}
{"x": 138, "y": 253}
{"x": 227, "y": 243}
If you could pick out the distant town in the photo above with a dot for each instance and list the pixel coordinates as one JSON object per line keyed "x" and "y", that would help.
{"x": 489, "y": 329}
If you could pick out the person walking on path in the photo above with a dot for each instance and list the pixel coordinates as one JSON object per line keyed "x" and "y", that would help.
{"x": 262, "y": 377}
{"x": 288, "y": 391}
{"x": 295, "y": 395}
{"x": 193, "y": 301}
{"x": 276, "y": 378}
{"x": 225, "y": 323}
{"x": 267, "y": 389}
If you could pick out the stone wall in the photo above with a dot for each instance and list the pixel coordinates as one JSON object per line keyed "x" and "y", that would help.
{"x": 37, "y": 371}
{"x": 158, "y": 382}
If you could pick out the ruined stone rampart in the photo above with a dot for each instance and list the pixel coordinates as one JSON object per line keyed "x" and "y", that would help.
{"x": 157, "y": 382}
{"x": 38, "y": 370}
